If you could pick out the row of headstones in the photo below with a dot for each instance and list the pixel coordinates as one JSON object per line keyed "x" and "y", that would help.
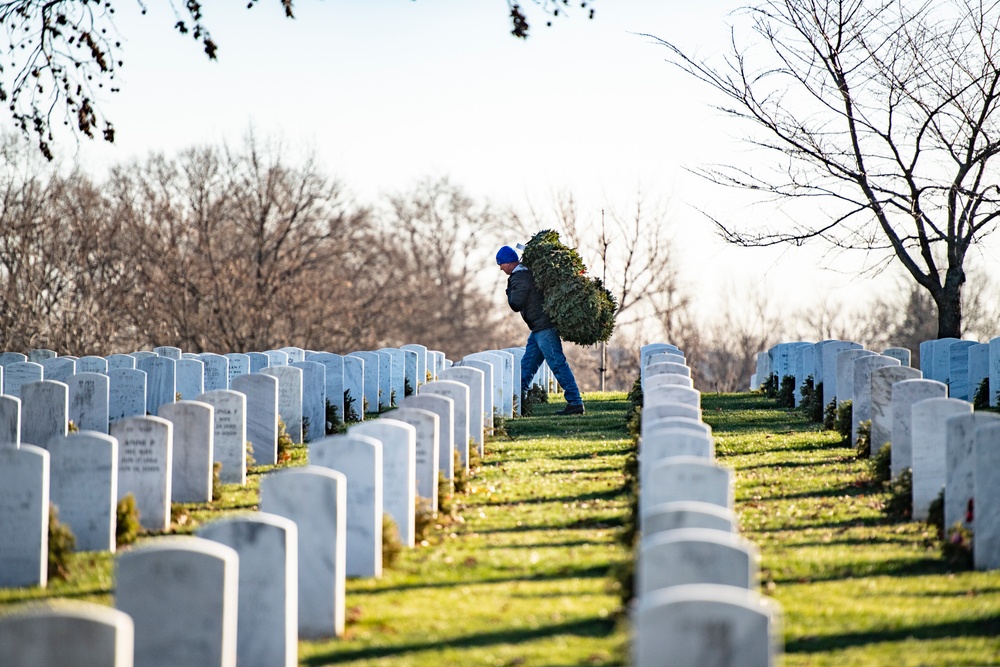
{"x": 697, "y": 596}
{"x": 960, "y": 364}
{"x": 935, "y": 435}
{"x": 105, "y": 389}
{"x": 169, "y": 458}
{"x": 296, "y": 393}
{"x": 336, "y": 503}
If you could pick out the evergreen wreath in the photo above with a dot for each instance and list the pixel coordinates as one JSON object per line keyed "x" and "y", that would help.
{"x": 582, "y": 309}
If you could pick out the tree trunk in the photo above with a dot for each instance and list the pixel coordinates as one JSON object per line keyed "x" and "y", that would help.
{"x": 949, "y": 305}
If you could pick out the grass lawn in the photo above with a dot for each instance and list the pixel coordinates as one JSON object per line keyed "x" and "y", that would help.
{"x": 520, "y": 576}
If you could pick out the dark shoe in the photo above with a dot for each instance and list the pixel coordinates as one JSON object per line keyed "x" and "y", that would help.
{"x": 572, "y": 410}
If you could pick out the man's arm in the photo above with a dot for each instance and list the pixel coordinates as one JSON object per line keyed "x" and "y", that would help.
{"x": 518, "y": 289}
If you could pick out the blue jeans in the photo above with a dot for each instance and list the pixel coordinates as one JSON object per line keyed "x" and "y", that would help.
{"x": 545, "y": 344}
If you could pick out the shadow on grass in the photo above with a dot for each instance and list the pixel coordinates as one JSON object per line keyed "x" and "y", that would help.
{"x": 609, "y": 494}
{"x": 594, "y": 455}
{"x": 785, "y": 464}
{"x": 340, "y": 654}
{"x": 874, "y": 521}
{"x": 899, "y": 568}
{"x": 590, "y": 523}
{"x": 973, "y": 627}
{"x": 599, "y": 571}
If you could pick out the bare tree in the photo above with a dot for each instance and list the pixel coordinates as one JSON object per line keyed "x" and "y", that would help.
{"x": 63, "y": 53}
{"x": 62, "y": 282}
{"x": 441, "y": 238}
{"x": 884, "y": 116}
{"x": 240, "y": 249}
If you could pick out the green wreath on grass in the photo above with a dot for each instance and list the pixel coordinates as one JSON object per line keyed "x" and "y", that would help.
{"x": 582, "y": 309}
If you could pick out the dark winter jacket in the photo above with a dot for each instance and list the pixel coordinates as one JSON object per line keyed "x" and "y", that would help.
{"x": 524, "y": 297}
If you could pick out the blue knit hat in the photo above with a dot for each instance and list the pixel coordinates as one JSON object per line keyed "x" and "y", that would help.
{"x": 506, "y": 254}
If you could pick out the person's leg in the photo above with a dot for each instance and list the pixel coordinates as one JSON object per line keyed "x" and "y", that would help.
{"x": 551, "y": 347}
{"x": 530, "y": 363}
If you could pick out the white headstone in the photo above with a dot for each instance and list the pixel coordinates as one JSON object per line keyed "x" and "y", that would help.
{"x": 229, "y": 433}
{"x": 126, "y": 393}
{"x": 652, "y": 413}
{"x": 958, "y": 369}
{"x": 498, "y": 377}
{"x": 314, "y": 498}
{"x": 384, "y": 379}
{"x": 511, "y": 385}
{"x": 444, "y": 408}
{"x": 672, "y": 393}
{"x": 695, "y": 556}
{"x": 67, "y": 632}
{"x": 994, "y": 371}
{"x": 258, "y": 361}
{"x": 686, "y": 478}
{"x": 289, "y": 398}
{"x": 216, "y": 375}
{"x": 663, "y": 379}
{"x": 421, "y": 352}
{"x": 664, "y": 443}
{"x": 89, "y": 400}
{"x": 648, "y": 350}
{"x": 861, "y": 409}
{"x": 940, "y": 359}
{"x": 10, "y": 420}
{"x": 979, "y": 367}
{"x": 267, "y": 622}
{"x": 18, "y": 374}
{"x": 830, "y": 352}
{"x": 295, "y": 354}
{"x": 688, "y": 514}
{"x": 882, "y": 382}
{"x": 664, "y": 367}
{"x": 276, "y": 358}
{"x": 313, "y": 399}
{"x": 371, "y": 383}
{"x": 161, "y": 381}
{"x": 474, "y": 379}
{"x": 354, "y": 388}
{"x": 845, "y": 373}
{"x": 653, "y": 425}
{"x": 397, "y": 373}
{"x": 459, "y": 394}
{"x": 145, "y": 457}
{"x": 399, "y": 470}
{"x": 960, "y": 461}
{"x": 182, "y": 595}
{"x": 193, "y": 450}
{"x": 334, "y": 366}
{"x": 83, "y": 469}
{"x": 239, "y": 364}
{"x": 900, "y": 354}
{"x": 986, "y": 523}
{"x": 120, "y": 361}
{"x": 359, "y": 458}
{"x": 7, "y": 358}
{"x": 57, "y": 369}
{"x": 427, "y": 452}
{"x": 929, "y": 460}
{"x": 168, "y": 351}
{"x": 904, "y": 395}
{"x": 705, "y": 624}
{"x": 262, "y": 414}
{"x": 44, "y": 411}
{"x": 24, "y": 516}
{"x": 486, "y": 369}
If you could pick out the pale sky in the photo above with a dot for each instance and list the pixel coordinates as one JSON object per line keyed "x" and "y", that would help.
{"x": 388, "y": 92}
